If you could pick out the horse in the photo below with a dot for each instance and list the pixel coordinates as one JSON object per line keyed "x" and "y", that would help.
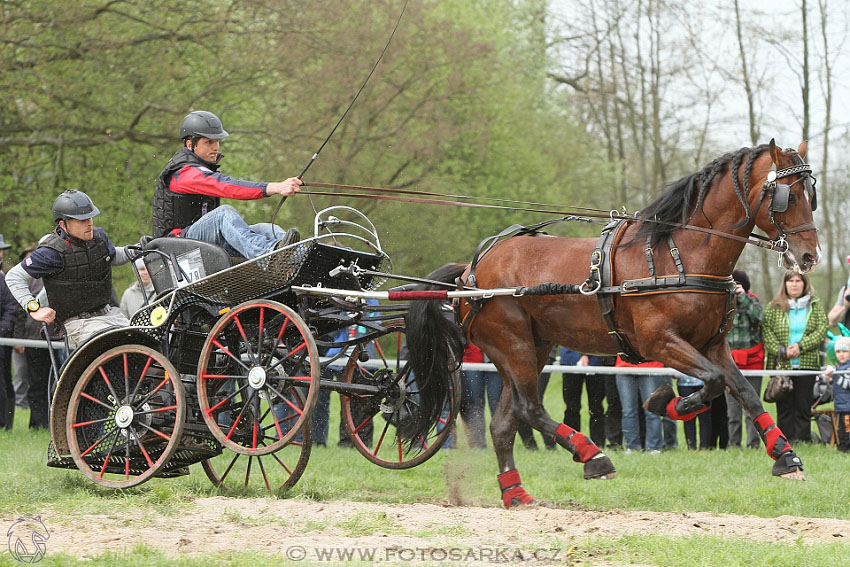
{"x": 660, "y": 285}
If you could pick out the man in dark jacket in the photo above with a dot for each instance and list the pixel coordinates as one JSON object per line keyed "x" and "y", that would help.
{"x": 188, "y": 191}
{"x": 36, "y": 360}
{"x": 9, "y": 312}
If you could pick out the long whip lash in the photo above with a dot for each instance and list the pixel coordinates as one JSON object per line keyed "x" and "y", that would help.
{"x": 341, "y": 118}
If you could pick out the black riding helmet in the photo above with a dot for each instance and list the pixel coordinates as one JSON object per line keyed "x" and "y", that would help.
{"x": 73, "y": 204}
{"x": 202, "y": 124}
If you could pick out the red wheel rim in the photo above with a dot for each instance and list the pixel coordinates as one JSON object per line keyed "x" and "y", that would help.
{"x": 255, "y": 360}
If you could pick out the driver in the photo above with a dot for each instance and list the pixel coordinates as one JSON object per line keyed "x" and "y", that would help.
{"x": 188, "y": 191}
{"x": 75, "y": 261}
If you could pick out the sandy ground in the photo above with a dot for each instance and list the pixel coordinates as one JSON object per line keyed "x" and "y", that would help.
{"x": 309, "y": 531}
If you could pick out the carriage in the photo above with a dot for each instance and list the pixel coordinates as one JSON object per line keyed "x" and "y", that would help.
{"x": 226, "y": 369}
{"x": 225, "y": 366}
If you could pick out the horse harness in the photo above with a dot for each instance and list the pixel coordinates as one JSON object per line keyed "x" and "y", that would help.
{"x": 599, "y": 282}
{"x": 600, "y": 279}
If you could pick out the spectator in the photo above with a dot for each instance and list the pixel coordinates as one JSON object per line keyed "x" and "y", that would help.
{"x": 526, "y": 432}
{"x": 840, "y": 312}
{"x": 75, "y": 262}
{"x": 718, "y": 411}
{"x": 477, "y": 386}
{"x": 613, "y": 409}
{"x": 794, "y": 330}
{"x": 134, "y": 297}
{"x": 188, "y": 191}
{"x": 37, "y": 360}
{"x": 669, "y": 428}
{"x": 3, "y": 247}
{"x": 748, "y": 352}
{"x": 9, "y": 312}
{"x": 632, "y": 388}
{"x": 595, "y": 394}
{"x": 687, "y": 385}
{"x": 841, "y": 392}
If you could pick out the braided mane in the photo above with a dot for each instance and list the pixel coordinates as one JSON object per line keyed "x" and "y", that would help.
{"x": 679, "y": 204}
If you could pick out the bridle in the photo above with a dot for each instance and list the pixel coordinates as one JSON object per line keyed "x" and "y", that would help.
{"x": 780, "y": 195}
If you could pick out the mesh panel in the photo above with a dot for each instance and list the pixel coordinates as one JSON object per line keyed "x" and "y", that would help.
{"x": 305, "y": 263}
{"x": 269, "y": 277}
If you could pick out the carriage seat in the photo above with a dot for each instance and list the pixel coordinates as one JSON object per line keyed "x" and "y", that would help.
{"x": 197, "y": 258}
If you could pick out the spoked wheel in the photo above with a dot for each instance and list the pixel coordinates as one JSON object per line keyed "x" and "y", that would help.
{"x": 125, "y": 417}
{"x": 277, "y": 471}
{"x": 377, "y": 423}
{"x": 258, "y": 378}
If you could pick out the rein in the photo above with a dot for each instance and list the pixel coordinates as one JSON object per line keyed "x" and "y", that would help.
{"x": 754, "y": 239}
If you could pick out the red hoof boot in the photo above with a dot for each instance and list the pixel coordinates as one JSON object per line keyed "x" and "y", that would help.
{"x": 775, "y": 442}
{"x": 513, "y": 494}
{"x": 674, "y": 411}
{"x": 582, "y": 448}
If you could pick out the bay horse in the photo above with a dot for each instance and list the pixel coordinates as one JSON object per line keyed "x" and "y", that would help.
{"x": 668, "y": 292}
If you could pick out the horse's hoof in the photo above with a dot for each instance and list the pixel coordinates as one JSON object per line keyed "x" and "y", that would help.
{"x": 659, "y": 399}
{"x": 516, "y": 503}
{"x": 796, "y": 475}
{"x": 599, "y": 467}
{"x": 789, "y": 466}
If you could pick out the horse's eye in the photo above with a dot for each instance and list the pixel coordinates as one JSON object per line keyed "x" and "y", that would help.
{"x": 792, "y": 199}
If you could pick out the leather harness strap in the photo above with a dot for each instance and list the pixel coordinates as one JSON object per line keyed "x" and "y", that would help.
{"x": 600, "y": 280}
{"x": 601, "y": 277}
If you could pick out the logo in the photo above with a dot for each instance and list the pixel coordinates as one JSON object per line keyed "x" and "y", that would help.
{"x": 26, "y": 539}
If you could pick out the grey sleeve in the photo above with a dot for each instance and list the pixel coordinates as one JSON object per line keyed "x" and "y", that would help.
{"x": 122, "y": 256}
{"x": 19, "y": 281}
{"x": 839, "y": 301}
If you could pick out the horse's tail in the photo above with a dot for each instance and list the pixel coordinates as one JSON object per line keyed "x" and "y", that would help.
{"x": 435, "y": 349}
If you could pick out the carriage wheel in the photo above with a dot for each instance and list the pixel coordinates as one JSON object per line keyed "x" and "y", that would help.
{"x": 252, "y": 366}
{"x": 393, "y": 407}
{"x": 277, "y": 471}
{"x": 125, "y": 416}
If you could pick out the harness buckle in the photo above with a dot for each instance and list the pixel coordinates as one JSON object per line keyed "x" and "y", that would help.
{"x": 598, "y": 286}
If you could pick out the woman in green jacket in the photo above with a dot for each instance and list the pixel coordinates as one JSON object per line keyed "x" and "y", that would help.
{"x": 794, "y": 330}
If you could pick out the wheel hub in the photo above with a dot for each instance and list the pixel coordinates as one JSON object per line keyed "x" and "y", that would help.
{"x": 257, "y": 377}
{"x": 124, "y": 417}
{"x": 395, "y": 398}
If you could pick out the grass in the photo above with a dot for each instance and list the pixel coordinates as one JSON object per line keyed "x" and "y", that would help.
{"x": 727, "y": 482}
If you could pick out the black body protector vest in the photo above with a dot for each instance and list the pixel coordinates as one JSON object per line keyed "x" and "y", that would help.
{"x": 178, "y": 210}
{"x": 85, "y": 282}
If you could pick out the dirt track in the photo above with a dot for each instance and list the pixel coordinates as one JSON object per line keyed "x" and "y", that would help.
{"x": 404, "y": 533}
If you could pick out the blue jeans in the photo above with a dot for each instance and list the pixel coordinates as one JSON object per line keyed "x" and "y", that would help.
{"x": 477, "y": 383}
{"x": 629, "y": 386}
{"x": 225, "y": 227}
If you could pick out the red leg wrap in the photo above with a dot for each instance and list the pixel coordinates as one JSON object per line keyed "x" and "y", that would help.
{"x": 673, "y": 414}
{"x": 576, "y": 443}
{"x": 512, "y": 489}
{"x": 774, "y": 441}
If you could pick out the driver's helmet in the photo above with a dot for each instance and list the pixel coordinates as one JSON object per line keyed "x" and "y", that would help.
{"x": 73, "y": 204}
{"x": 203, "y": 124}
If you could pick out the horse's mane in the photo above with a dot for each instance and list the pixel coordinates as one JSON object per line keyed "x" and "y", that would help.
{"x": 684, "y": 198}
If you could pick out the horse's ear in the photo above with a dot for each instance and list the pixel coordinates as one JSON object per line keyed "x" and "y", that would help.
{"x": 801, "y": 149}
{"x": 774, "y": 151}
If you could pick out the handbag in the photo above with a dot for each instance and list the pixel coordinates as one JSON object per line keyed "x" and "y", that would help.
{"x": 778, "y": 388}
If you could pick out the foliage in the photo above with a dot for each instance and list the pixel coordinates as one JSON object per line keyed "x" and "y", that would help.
{"x": 93, "y": 96}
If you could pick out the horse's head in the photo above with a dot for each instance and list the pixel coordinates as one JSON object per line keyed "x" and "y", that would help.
{"x": 788, "y": 193}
